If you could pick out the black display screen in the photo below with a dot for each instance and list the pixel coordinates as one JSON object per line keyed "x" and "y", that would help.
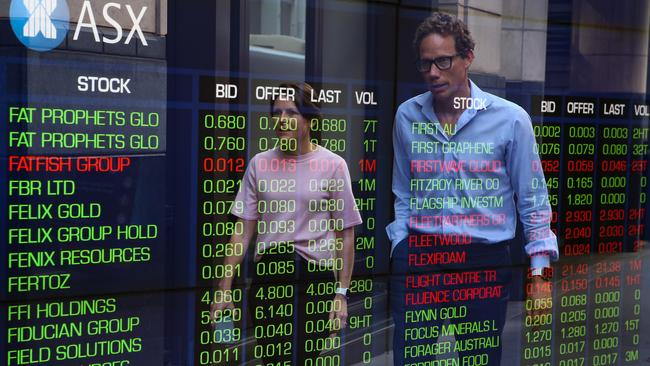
{"x": 294, "y": 182}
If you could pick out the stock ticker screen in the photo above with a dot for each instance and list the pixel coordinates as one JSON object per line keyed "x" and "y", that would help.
{"x": 324, "y": 183}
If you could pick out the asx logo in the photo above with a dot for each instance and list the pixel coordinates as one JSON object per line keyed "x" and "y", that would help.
{"x": 42, "y": 25}
{"x": 39, "y": 20}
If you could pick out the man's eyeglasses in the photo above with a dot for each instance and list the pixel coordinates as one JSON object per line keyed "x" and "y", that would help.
{"x": 442, "y": 63}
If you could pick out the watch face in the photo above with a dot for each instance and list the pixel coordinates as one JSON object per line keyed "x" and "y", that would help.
{"x": 547, "y": 273}
{"x": 345, "y": 292}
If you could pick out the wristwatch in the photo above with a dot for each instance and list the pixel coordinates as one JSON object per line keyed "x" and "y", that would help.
{"x": 343, "y": 291}
{"x": 545, "y": 272}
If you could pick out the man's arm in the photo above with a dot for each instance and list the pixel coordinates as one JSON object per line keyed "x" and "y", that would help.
{"x": 398, "y": 229}
{"x": 243, "y": 239}
{"x": 535, "y": 213}
{"x": 533, "y": 206}
{"x": 344, "y": 240}
{"x": 346, "y": 253}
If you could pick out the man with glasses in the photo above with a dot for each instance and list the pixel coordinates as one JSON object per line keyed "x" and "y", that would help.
{"x": 464, "y": 167}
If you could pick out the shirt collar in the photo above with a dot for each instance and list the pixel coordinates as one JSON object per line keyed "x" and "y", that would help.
{"x": 426, "y": 99}
{"x": 478, "y": 93}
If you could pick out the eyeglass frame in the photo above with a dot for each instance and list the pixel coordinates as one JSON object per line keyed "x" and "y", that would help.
{"x": 435, "y": 62}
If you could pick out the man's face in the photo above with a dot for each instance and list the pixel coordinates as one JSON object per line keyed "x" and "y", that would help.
{"x": 444, "y": 84}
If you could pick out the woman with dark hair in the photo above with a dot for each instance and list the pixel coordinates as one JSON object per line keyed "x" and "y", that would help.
{"x": 297, "y": 200}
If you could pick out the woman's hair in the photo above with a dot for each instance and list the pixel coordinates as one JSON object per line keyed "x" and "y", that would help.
{"x": 307, "y": 108}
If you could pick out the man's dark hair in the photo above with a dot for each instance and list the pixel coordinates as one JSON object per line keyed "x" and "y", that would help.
{"x": 445, "y": 25}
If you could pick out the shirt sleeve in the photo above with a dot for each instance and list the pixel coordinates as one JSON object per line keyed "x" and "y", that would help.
{"x": 245, "y": 204}
{"x": 349, "y": 214}
{"x": 398, "y": 229}
{"x": 527, "y": 179}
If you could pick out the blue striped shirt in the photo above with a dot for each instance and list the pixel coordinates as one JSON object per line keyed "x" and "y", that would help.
{"x": 461, "y": 185}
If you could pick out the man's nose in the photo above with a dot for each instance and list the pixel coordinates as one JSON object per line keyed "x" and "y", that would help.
{"x": 434, "y": 72}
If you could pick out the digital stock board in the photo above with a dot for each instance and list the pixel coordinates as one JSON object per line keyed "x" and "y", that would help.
{"x": 272, "y": 183}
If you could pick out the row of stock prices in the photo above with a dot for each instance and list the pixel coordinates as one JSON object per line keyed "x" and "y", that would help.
{"x": 593, "y": 153}
{"x": 256, "y": 196}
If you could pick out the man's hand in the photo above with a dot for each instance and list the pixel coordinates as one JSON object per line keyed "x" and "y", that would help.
{"x": 218, "y": 305}
{"x": 339, "y": 313}
{"x": 539, "y": 300}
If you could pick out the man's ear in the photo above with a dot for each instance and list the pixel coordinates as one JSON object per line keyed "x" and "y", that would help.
{"x": 468, "y": 59}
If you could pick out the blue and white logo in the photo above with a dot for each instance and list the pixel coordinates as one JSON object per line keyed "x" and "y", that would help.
{"x": 40, "y": 25}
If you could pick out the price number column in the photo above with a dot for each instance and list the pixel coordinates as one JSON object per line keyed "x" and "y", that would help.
{"x": 281, "y": 173}
{"x": 612, "y": 183}
{"x": 221, "y": 153}
{"x": 578, "y": 190}
{"x": 632, "y": 267}
{"x": 538, "y": 328}
{"x": 365, "y": 102}
{"x": 367, "y": 195}
{"x": 578, "y": 182}
{"x": 605, "y": 291}
{"x": 549, "y": 149}
{"x": 638, "y": 185}
{"x": 578, "y": 198}
{"x": 333, "y": 132}
{"x": 631, "y": 310}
